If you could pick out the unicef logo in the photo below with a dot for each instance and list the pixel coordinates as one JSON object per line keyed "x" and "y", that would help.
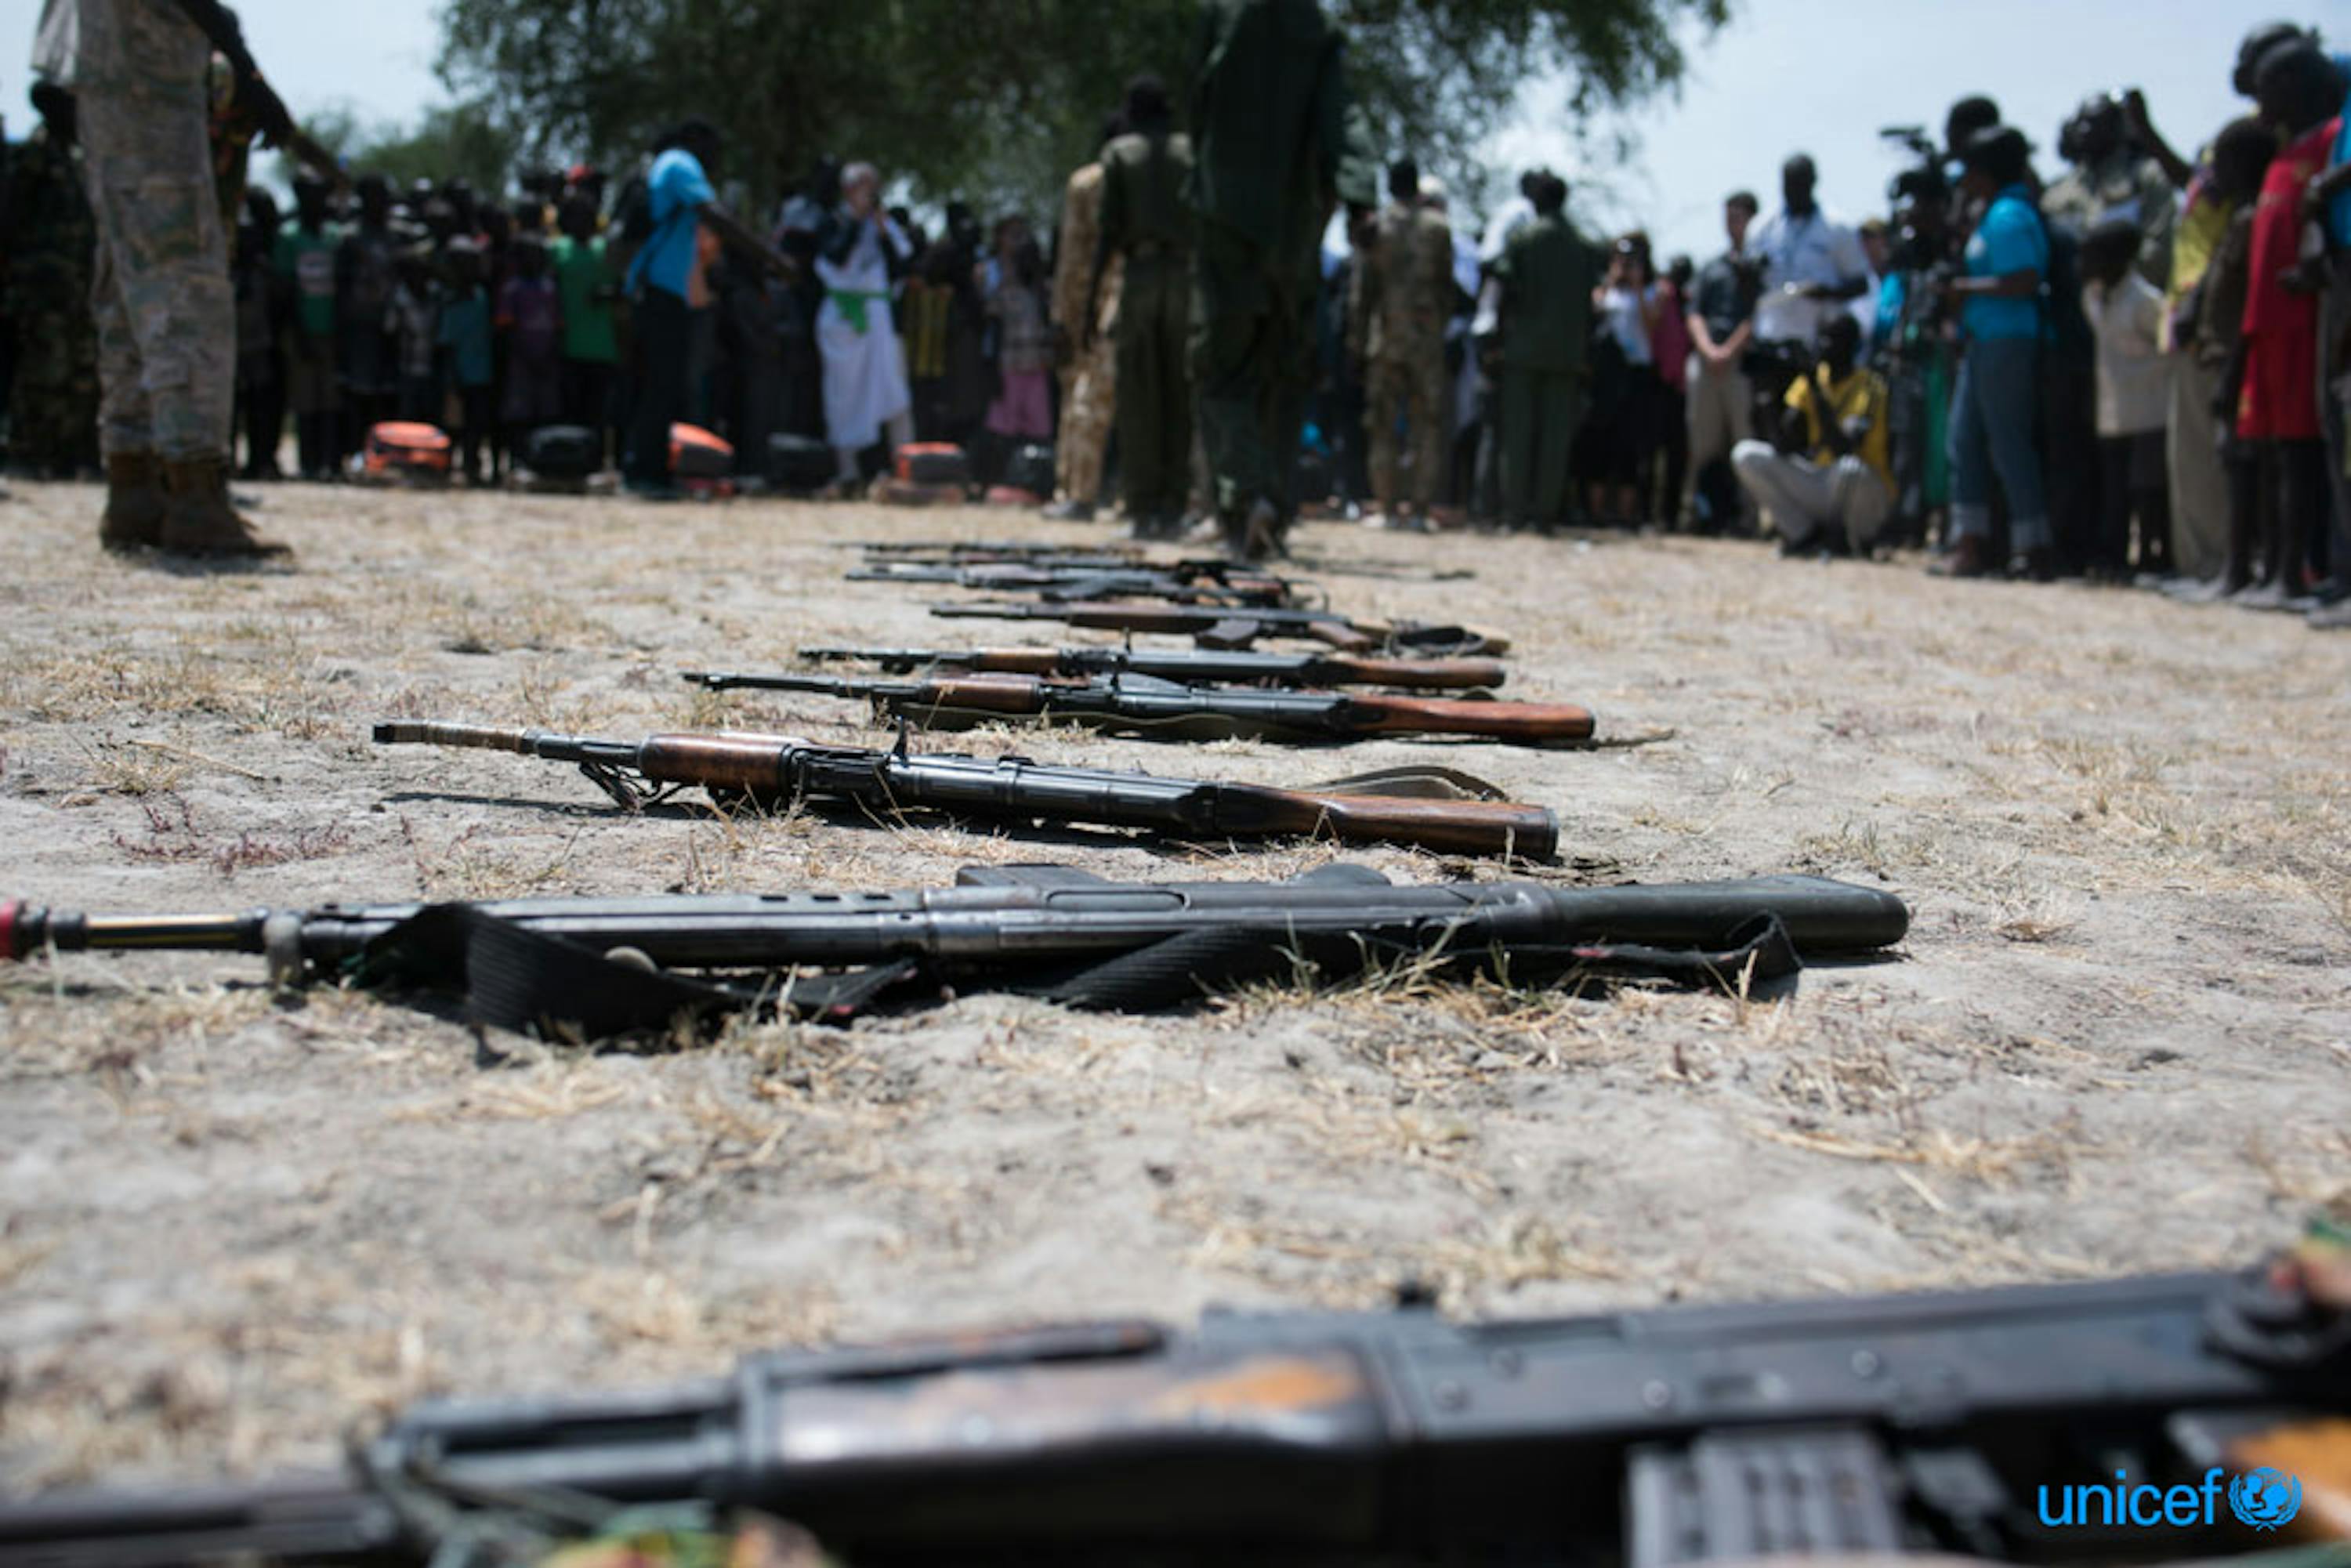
{"x": 2264, "y": 1499}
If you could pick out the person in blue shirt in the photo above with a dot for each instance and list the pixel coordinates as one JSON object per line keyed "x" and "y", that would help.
{"x": 1997, "y": 398}
{"x": 670, "y": 290}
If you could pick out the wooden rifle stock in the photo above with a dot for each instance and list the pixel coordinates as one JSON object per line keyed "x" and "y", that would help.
{"x": 1528, "y": 723}
{"x": 1449, "y": 827}
{"x": 731, "y": 762}
{"x": 1433, "y": 675}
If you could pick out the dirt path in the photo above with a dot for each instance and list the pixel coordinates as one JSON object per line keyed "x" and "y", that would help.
{"x": 2116, "y": 1037}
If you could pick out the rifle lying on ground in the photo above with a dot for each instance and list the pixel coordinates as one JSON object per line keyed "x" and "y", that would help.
{"x": 1220, "y": 628}
{"x": 1111, "y": 553}
{"x": 1192, "y": 666}
{"x": 1166, "y": 710}
{"x": 1862, "y": 1425}
{"x": 1434, "y": 808}
{"x": 550, "y": 963}
{"x": 1000, "y": 549}
{"x": 1185, "y": 582}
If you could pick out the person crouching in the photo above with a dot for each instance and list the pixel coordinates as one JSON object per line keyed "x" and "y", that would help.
{"x": 1829, "y": 481}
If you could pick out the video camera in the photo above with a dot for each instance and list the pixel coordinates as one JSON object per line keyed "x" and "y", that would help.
{"x": 1924, "y": 180}
{"x": 1772, "y": 366}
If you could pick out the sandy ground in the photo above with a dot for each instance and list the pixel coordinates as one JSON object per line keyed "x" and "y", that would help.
{"x": 2116, "y": 1037}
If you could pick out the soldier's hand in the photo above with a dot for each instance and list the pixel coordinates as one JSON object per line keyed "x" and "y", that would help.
{"x": 259, "y": 100}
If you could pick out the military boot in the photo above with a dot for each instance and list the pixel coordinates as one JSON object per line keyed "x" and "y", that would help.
{"x": 201, "y": 521}
{"x": 135, "y": 503}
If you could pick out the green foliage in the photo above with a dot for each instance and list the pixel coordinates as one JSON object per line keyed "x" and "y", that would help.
{"x": 996, "y": 102}
{"x": 465, "y": 140}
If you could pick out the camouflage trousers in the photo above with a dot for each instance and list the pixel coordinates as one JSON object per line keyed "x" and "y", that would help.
{"x": 1418, "y": 388}
{"x": 166, "y": 315}
{"x": 52, "y": 400}
{"x": 1089, "y": 409}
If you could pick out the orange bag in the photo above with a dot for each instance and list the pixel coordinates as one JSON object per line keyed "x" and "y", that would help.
{"x": 695, "y": 453}
{"x": 400, "y": 448}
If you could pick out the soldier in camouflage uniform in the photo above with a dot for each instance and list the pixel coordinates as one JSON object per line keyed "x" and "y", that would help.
{"x": 52, "y": 244}
{"x": 2111, "y": 178}
{"x": 1146, "y": 226}
{"x": 1274, "y": 145}
{"x": 1087, "y": 333}
{"x": 166, "y": 319}
{"x": 1401, "y": 297}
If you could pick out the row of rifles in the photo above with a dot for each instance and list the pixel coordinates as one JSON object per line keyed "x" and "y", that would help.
{"x": 1206, "y": 650}
{"x": 1857, "y": 1428}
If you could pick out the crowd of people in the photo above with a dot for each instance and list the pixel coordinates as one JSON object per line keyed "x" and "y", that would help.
{"x": 2131, "y": 371}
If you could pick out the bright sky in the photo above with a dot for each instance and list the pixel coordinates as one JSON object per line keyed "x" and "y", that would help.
{"x": 374, "y": 57}
{"x": 1816, "y": 75}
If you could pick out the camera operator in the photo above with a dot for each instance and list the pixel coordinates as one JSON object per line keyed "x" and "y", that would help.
{"x": 1913, "y": 350}
{"x": 1827, "y": 479}
{"x": 1720, "y": 397}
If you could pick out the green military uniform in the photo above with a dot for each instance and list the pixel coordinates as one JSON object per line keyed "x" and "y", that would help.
{"x": 1401, "y": 297}
{"x": 1145, "y": 224}
{"x": 52, "y": 248}
{"x": 1546, "y": 272}
{"x": 1273, "y": 146}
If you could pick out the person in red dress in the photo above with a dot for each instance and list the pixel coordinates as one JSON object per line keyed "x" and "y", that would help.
{"x": 2277, "y": 400}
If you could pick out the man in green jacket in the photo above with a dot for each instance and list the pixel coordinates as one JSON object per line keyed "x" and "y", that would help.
{"x": 1274, "y": 146}
{"x": 1546, "y": 273}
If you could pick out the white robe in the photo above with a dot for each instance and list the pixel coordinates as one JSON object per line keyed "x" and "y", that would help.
{"x": 864, "y": 373}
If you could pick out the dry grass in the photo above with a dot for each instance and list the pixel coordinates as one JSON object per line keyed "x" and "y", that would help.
{"x": 2114, "y": 1039}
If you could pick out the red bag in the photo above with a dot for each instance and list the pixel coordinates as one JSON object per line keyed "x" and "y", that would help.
{"x": 405, "y": 449}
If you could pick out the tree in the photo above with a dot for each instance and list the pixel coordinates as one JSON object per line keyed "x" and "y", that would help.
{"x": 463, "y": 141}
{"x": 995, "y": 102}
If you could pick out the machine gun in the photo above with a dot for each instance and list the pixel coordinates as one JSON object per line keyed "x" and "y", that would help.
{"x": 1191, "y": 666}
{"x": 1234, "y": 628}
{"x": 1166, "y": 710}
{"x": 591, "y": 969}
{"x": 1433, "y": 809}
{"x": 1635, "y": 1439}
